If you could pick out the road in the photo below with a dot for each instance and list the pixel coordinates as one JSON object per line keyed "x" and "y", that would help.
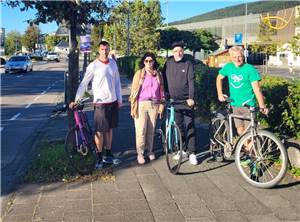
{"x": 26, "y": 102}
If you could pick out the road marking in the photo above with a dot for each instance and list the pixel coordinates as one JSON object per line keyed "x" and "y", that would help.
{"x": 28, "y": 105}
{"x": 1, "y": 128}
{"x": 15, "y": 116}
{"x": 48, "y": 88}
{"x": 36, "y": 98}
{"x": 43, "y": 92}
{"x": 19, "y": 76}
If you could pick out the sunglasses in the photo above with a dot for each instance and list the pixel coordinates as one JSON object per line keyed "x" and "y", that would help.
{"x": 148, "y": 60}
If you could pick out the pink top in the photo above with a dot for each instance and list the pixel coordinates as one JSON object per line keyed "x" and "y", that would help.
{"x": 150, "y": 89}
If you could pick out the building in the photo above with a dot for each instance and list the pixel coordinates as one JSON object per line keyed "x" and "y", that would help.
{"x": 246, "y": 28}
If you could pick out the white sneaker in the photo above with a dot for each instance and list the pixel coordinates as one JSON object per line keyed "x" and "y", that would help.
{"x": 184, "y": 155}
{"x": 193, "y": 159}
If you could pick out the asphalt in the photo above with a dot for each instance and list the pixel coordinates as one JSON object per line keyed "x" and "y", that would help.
{"x": 210, "y": 191}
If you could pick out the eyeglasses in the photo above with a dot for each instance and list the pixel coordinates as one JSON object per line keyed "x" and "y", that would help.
{"x": 148, "y": 60}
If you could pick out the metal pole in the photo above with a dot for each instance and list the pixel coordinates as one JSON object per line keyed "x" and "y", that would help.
{"x": 66, "y": 76}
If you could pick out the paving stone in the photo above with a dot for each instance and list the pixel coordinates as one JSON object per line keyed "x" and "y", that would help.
{"x": 262, "y": 218}
{"x": 252, "y": 208}
{"x": 53, "y": 213}
{"x": 78, "y": 216}
{"x": 144, "y": 170}
{"x": 79, "y": 186}
{"x": 108, "y": 218}
{"x": 160, "y": 196}
{"x": 50, "y": 201}
{"x": 107, "y": 209}
{"x": 200, "y": 219}
{"x": 132, "y": 195}
{"x": 106, "y": 197}
{"x": 287, "y": 213}
{"x": 18, "y": 218}
{"x": 78, "y": 194}
{"x": 134, "y": 205}
{"x": 138, "y": 216}
{"x": 230, "y": 216}
{"x": 191, "y": 206}
{"x": 21, "y": 209}
{"x": 26, "y": 199}
{"x": 78, "y": 205}
{"x": 30, "y": 189}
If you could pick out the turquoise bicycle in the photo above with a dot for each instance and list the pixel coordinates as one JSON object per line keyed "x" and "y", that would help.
{"x": 171, "y": 138}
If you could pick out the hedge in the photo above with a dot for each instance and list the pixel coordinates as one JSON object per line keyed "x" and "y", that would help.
{"x": 282, "y": 94}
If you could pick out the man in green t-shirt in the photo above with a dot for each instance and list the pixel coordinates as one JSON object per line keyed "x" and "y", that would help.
{"x": 244, "y": 86}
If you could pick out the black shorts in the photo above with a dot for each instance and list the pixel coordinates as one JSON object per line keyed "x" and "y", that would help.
{"x": 106, "y": 116}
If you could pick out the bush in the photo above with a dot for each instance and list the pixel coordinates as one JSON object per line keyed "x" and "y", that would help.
{"x": 291, "y": 113}
{"x": 128, "y": 65}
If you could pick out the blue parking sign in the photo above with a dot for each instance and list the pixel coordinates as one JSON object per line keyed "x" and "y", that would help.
{"x": 238, "y": 38}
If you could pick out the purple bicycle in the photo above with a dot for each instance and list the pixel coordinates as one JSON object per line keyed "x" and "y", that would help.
{"x": 79, "y": 143}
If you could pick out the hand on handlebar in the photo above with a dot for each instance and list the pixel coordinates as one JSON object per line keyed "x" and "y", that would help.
{"x": 71, "y": 105}
{"x": 222, "y": 97}
{"x": 190, "y": 102}
{"x": 264, "y": 110}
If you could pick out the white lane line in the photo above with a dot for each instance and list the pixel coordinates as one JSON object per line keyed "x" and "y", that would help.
{"x": 36, "y": 98}
{"x": 15, "y": 116}
{"x": 28, "y": 105}
{"x": 1, "y": 128}
{"x": 48, "y": 88}
{"x": 43, "y": 92}
{"x": 19, "y": 76}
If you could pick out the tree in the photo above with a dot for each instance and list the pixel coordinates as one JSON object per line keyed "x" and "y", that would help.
{"x": 203, "y": 40}
{"x": 295, "y": 42}
{"x": 265, "y": 43}
{"x": 132, "y": 27}
{"x": 13, "y": 42}
{"x": 30, "y": 38}
{"x": 73, "y": 13}
{"x": 52, "y": 40}
{"x": 96, "y": 35}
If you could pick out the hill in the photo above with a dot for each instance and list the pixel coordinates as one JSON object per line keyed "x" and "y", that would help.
{"x": 238, "y": 10}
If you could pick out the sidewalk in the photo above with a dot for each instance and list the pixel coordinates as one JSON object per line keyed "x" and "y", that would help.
{"x": 211, "y": 191}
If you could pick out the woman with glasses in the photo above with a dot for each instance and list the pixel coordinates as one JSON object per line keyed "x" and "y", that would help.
{"x": 147, "y": 95}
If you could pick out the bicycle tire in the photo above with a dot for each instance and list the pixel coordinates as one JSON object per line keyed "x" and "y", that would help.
{"x": 218, "y": 137}
{"x": 264, "y": 170}
{"x": 82, "y": 158}
{"x": 173, "y": 148}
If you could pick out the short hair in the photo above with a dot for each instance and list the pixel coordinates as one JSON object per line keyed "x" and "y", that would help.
{"x": 178, "y": 44}
{"x": 148, "y": 54}
{"x": 236, "y": 48}
{"x": 103, "y": 42}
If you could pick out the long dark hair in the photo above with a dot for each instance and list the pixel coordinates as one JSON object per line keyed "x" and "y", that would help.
{"x": 149, "y": 54}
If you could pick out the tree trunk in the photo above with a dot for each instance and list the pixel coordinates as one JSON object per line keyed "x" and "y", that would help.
{"x": 73, "y": 66}
{"x": 194, "y": 53}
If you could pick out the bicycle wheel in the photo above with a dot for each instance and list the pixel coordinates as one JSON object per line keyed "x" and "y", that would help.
{"x": 173, "y": 148}
{"x": 218, "y": 138}
{"x": 82, "y": 155}
{"x": 263, "y": 162}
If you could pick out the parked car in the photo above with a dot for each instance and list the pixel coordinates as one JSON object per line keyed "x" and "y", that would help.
{"x": 18, "y": 63}
{"x": 2, "y": 62}
{"x": 53, "y": 56}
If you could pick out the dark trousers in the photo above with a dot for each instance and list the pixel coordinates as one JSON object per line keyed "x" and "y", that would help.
{"x": 185, "y": 119}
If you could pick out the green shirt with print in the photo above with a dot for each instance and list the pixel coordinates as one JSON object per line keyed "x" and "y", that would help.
{"x": 240, "y": 79}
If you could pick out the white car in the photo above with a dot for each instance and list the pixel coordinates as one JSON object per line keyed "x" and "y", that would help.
{"x": 53, "y": 56}
{"x": 18, "y": 63}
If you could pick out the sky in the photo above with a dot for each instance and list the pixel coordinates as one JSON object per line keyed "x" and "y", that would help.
{"x": 172, "y": 10}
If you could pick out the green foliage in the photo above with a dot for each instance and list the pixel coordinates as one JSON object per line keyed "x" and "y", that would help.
{"x": 291, "y": 113}
{"x": 128, "y": 65}
{"x": 239, "y": 10}
{"x": 30, "y": 37}
{"x": 134, "y": 23}
{"x": 264, "y": 43}
{"x": 50, "y": 164}
{"x": 295, "y": 171}
{"x": 13, "y": 42}
{"x": 96, "y": 36}
{"x": 53, "y": 40}
{"x": 295, "y": 44}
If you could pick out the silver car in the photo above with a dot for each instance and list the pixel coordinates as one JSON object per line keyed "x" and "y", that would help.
{"x": 19, "y": 63}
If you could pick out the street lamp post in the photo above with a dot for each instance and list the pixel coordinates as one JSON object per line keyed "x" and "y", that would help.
{"x": 246, "y": 47}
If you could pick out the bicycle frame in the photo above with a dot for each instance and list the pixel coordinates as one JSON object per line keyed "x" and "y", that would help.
{"x": 80, "y": 122}
{"x": 170, "y": 120}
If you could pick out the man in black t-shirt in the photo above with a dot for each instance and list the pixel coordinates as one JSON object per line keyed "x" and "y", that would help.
{"x": 179, "y": 77}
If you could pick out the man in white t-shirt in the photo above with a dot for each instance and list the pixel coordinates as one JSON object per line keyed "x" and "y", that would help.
{"x": 106, "y": 87}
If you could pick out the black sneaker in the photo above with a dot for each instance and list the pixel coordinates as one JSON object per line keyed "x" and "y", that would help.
{"x": 110, "y": 159}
